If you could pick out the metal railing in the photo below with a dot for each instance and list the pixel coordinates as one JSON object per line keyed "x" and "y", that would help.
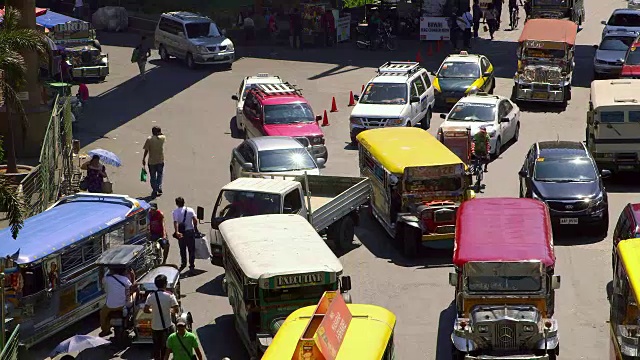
{"x": 10, "y": 349}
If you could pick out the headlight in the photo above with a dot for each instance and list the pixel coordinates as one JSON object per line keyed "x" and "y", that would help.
{"x": 395, "y": 122}
{"x": 201, "y": 49}
{"x": 483, "y": 328}
{"x": 528, "y": 328}
{"x": 355, "y": 120}
{"x": 597, "y": 201}
{"x": 230, "y": 46}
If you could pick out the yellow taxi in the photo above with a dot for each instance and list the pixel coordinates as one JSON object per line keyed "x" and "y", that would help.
{"x": 460, "y": 75}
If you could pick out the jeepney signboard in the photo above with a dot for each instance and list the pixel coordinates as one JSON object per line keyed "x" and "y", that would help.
{"x": 432, "y": 172}
{"x": 296, "y": 280}
{"x": 333, "y": 328}
{"x": 434, "y": 28}
{"x": 538, "y": 44}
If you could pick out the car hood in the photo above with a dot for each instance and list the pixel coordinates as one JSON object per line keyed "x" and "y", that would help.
{"x": 316, "y": 171}
{"x": 568, "y": 191}
{"x": 474, "y": 125}
{"x": 630, "y": 70}
{"x": 452, "y": 84}
{"x": 610, "y": 55}
{"x": 377, "y": 110}
{"x": 305, "y": 129}
{"x": 208, "y": 41}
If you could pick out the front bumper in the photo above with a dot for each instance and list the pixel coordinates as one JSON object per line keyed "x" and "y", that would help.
{"x": 84, "y": 72}
{"x": 577, "y": 218}
{"x": 448, "y": 98}
{"x": 606, "y": 69}
{"x": 226, "y": 57}
{"x": 542, "y": 92}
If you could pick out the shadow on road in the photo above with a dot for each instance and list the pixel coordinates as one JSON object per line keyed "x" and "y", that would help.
{"x": 623, "y": 183}
{"x": 220, "y": 339}
{"x": 213, "y": 287}
{"x": 445, "y": 325}
{"x": 121, "y": 39}
{"x": 575, "y": 236}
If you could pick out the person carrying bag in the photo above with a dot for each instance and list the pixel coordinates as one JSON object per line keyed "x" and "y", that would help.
{"x": 182, "y": 344}
{"x": 161, "y": 306}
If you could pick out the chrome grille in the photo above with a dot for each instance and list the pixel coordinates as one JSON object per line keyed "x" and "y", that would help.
{"x": 568, "y": 206}
{"x": 505, "y": 337}
{"x": 212, "y": 48}
{"x": 374, "y": 122}
{"x": 624, "y": 157}
{"x": 303, "y": 140}
{"x": 444, "y": 215}
{"x": 542, "y": 87}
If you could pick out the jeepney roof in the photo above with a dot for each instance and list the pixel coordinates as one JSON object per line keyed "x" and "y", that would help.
{"x": 503, "y": 229}
{"x": 366, "y": 337}
{"x": 551, "y": 30}
{"x": 268, "y": 186}
{"x": 68, "y": 221}
{"x": 277, "y": 244}
{"x": 397, "y": 148}
{"x": 615, "y": 92}
{"x": 629, "y": 252}
{"x": 50, "y": 19}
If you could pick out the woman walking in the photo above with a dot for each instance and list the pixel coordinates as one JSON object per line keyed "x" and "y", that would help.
{"x": 96, "y": 173}
{"x": 490, "y": 16}
{"x": 143, "y": 52}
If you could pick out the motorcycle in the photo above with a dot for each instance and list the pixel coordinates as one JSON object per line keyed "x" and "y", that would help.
{"x": 384, "y": 37}
{"x": 408, "y": 26}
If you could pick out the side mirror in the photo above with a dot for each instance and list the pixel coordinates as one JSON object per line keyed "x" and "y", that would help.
{"x": 555, "y": 282}
{"x": 443, "y": 116}
{"x": 181, "y": 34}
{"x": 504, "y": 120}
{"x": 605, "y": 173}
{"x": 415, "y": 99}
{"x": 318, "y": 117}
{"x": 453, "y": 279}
{"x": 487, "y": 74}
{"x": 346, "y": 284}
{"x": 235, "y": 97}
{"x": 200, "y": 213}
{"x": 523, "y": 173}
{"x": 603, "y": 22}
{"x": 356, "y": 97}
{"x": 321, "y": 162}
{"x": 595, "y": 47}
{"x": 247, "y": 166}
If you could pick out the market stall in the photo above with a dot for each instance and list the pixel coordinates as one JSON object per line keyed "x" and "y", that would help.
{"x": 312, "y": 31}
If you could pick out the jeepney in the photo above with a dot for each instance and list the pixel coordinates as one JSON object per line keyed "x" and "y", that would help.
{"x": 418, "y": 185}
{"x": 612, "y": 133}
{"x": 558, "y": 9}
{"x": 363, "y": 332}
{"x": 545, "y": 61}
{"x": 274, "y": 265}
{"x": 504, "y": 281}
{"x": 623, "y": 317}
{"x": 78, "y": 40}
{"x": 51, "y": 277}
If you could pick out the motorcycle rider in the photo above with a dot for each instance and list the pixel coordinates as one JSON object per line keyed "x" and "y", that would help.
{"x": 117, "y": 288}
{"x": 481, "y": 145}
{"x": 374, "y": 25}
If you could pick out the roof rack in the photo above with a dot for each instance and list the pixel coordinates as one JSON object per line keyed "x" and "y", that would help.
{"x": 399, "y": 68}
{"x": 279, "y": 89}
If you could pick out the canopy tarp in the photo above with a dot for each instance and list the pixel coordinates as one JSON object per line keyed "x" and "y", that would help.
{"x": 551, "y": 30}
{"x": 51, "y": 19}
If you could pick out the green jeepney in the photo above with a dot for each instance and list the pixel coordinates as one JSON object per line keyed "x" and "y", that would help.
{"x": 274, "y": 265}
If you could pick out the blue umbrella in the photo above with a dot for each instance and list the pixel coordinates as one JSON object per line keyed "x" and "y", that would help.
{"x": 78, "y": 343}
{"x": 106, "y": 157}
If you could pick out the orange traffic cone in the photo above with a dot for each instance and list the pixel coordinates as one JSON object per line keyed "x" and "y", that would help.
{"x": 418, "y": 56}
{"x": 334, "y": 108}
{"x": 325, "y": 119}
{"x": 439, "y": 45}
{"x": 429, "y": 51}
{"x": 352, "y": 101}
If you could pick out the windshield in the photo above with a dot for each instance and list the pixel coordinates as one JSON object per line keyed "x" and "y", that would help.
{"x": 544, "y": 53}
{"x": 472, "y": 112}
{"x": 314, "y": 292}
{"x": 463, "y": 70}
{"x": 564, "y": 169}
{"x": 393, "y": 94}
{"x": 201, "y": 29}
{"x": 285, "y": 160}
{"x": 433, "y": 185}
{"x": 633, "y": 57}
{"x": 616, "y": 43}
{"x": 234, "y": 204}
{"x": 504, "y": 283}
{"x": 562, "y": 3}
{"x": 621, "y": 19}
{"x": 288, "y": 114}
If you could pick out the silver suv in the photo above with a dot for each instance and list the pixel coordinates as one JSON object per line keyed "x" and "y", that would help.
{"x": 193, "y": 38}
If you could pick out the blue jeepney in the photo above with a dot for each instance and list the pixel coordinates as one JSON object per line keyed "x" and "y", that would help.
{"x": 51, "y": 277}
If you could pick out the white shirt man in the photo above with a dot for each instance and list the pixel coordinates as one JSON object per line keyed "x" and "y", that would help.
{"x": 118, "y": 289}
{"x": 167, "y": 301}
{"x": 180, "y": 218}
{"x": 184, "y": 216}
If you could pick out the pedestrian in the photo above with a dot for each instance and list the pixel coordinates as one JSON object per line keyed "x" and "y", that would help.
{"x": 329, "y": 27}
{"x": 490, "y": 18}
{"x": 78, "y": 9}
{"x": 154, "y": 147}
{"x": 83, "y": 92}
{"x": 249, "y": 28}
{"x": 454, "y": 28}
{"x": 497, "y": 5}
{"x": 467, "y": 18}
{"x": 182, "y": 344}
{"x": 161, "y": 304}
{"x": 477, "y": 16}
{"x": 295, "y": 26}
{"x": 96, "y": 173}
{"x": 143, "y": 53}
{"x": 117, "y": 287}
{"x": 158, "y": 230}
{"x": 273, "y": 27}
{"x": 184, "y": 225}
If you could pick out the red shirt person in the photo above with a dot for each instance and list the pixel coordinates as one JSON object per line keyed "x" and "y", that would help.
{"x": 83, "y": 92}
{"x": 157, "y": 230}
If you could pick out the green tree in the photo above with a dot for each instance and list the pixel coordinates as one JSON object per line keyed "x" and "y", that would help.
{"x": 14, "y": 41}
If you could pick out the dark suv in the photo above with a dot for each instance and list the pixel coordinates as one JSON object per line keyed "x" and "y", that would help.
{"x": 564, "y": 176}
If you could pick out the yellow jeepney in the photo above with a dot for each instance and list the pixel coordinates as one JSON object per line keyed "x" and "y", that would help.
{"x": 335, "y": 330}
{"x": 418, "y": 185}
{"x": 623, "y": 317}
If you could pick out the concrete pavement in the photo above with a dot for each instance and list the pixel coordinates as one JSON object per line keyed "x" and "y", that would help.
{"x": 195, "y": 110}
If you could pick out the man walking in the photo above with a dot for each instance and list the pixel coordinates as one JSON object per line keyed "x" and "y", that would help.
{"x": 182, "y": 344}
{"x": 158, "y": 231}
{"x": 160, "y": 304}
{"x": 477, "y": 16}
{"x": 144, "y": 52}
{"x": 78, "y": 9}
{"x": 184, "y": 225}
{"x": 467, "y": 19}
{"x": 154, "y": 147}
{"x": 498, "y": 4}
{"x": 295, "y": 27}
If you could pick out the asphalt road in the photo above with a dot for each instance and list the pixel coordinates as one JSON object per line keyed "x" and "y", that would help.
{"x": 194, "y": 110}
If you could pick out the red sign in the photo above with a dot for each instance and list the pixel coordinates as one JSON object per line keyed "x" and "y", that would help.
{"x": 333, "y": 328}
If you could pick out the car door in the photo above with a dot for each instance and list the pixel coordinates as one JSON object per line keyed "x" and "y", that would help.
{"x": 510, "y": 112}
{"x": 415, "y": 106}
{"x": 431, "y": 96}
{"x": 527, "y": 166}
{"x": 182, "y": 41}
{"x": 237, "y": 159}
{"x": 240, "y": 105}
{"x": 171, "y": 33}
{"x": 250, "y": 114}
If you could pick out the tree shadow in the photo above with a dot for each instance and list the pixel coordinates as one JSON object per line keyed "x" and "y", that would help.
{"x": 445, "y": 326}
{"x": 572, "y": 236}
{"x": 213, "y": 287}
{"x": 220, "y": 339}
{"x": 119, "y": 39}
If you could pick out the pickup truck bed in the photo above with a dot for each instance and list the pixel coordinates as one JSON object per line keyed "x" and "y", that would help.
{"x": 319, "y": 201}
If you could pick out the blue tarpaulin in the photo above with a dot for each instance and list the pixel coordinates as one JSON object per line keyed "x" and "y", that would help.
{"x": 51, "y": 19}
{"x": 63, "y": 225}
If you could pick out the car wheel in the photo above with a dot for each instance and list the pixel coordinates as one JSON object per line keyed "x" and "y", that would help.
{"x": 164, "y": 55}
{"x": 603, "y": 227}
{"x": 426, "y": 120}
{"x": 596, "y": 76}
{"x": 516, "y": 135}
{"x": 496, "y": 153}
{"x": 493, "y": 86}
{"x": 514, "y": 92}
{"x": 190, "y": 63}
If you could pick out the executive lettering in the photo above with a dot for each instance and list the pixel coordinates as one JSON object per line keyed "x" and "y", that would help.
{"x": 293, "y": 280}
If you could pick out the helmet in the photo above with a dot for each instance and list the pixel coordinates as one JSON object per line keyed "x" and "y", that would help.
{"x": 483, "y": 128}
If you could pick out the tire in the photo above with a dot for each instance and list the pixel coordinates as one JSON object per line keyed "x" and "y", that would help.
{"x": 567, "y": 95}
{"x": 344, "y": 232}
{"x": 493, "y": 86}
{"x": 190, "y": 63}
{"x": 410, "y": 241}
{"x": 496, "y": 154}
{"x": 164, "y": 55}
{"x": 514, "y": 92}
{"x": 456, "y": 354}
{"x": 425, "y": 123}
{"x": 516, "y": 135}
{"x": 603, "y": 227}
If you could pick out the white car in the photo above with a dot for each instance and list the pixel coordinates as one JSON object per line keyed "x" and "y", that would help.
{"x": 272, "y": 154}
{"x": 622, "y": 20}
{"x": 499, "y": 115}
{"x": 246, "y": 85}
{"x": 400, "y": 95}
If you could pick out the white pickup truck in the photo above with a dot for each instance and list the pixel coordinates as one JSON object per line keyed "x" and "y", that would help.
{"x": 329, "y": 203}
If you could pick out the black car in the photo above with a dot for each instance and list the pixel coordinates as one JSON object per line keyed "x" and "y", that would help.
{"x": 564, "y": 175}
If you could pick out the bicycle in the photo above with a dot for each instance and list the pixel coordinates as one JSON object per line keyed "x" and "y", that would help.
{"x": 477, "y": 164}
{"x": 514, "y": 17}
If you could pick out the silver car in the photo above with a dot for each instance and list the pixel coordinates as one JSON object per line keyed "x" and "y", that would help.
{"x": 610, "y": 53}
{"x": 272, "y": 154}
{"x": 193, "y": 38}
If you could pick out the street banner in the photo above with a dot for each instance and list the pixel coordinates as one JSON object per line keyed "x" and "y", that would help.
{"x": 343, "y": 28}
{"x": 434, "y": 28}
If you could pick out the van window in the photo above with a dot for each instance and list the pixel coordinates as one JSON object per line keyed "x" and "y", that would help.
{"x": 634, "y": 116}
{"x": 293, "y": 202}
{"x": 170, "y": 26}
{"x": 420, "y": 85}
{"x": 608, "y": 117}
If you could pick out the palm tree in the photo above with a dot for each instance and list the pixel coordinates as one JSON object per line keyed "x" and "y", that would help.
{"x": 15, "y": 40}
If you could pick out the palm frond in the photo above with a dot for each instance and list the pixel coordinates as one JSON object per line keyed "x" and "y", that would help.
{"x": 11, "y": 200}
{"x": 12, "y": 101}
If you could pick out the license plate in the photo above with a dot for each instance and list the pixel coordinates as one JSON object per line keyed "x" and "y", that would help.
{"x": 540, "y": 95}
{"x": 569, "y": 221}
{"x": 218, "y": 57}
{"x": 626, "y": 167}
{"x": 451, "y": 100}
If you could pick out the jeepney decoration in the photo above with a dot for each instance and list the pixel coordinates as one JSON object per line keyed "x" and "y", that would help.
{"x": 545, "y": 61}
